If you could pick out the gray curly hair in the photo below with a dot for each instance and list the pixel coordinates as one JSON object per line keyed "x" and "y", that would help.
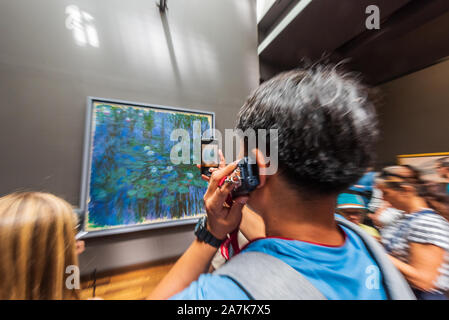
{"x": 327, "y": 126}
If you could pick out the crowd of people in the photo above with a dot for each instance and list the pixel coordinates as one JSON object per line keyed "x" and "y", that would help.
{"x": 412, "y": 218}
{"x": 324, "y": 220}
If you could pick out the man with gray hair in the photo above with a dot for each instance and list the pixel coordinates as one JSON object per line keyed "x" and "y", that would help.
{"x": 327, "y": 128}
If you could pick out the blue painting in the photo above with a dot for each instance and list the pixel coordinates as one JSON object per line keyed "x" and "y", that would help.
{"x": 132, "y": 178}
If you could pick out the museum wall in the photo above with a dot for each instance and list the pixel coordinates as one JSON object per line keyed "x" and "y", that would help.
{"x": 54, "y": 53}
{"x": 414, "y": 114}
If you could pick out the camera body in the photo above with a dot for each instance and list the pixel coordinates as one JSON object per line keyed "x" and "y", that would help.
{"x": 248, "y": 176}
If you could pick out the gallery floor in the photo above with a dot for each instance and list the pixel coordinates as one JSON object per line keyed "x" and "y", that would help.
{"x": 133, "y": 283}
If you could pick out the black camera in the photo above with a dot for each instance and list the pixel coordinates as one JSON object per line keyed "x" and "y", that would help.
{"x": 248, "y": 174}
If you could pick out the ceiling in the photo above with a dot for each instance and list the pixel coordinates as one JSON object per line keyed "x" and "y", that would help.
{"x": 413, "y": 34}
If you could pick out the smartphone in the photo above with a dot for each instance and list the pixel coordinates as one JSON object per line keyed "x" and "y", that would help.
{"x": 209, "y": 155}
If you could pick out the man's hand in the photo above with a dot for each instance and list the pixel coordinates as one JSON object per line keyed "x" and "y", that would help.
{"x": 222, "y": 219}
{"x": 376, "y": 215}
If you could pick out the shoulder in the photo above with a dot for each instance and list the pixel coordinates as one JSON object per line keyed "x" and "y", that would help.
{"x": 430, "y": 228}
{"x": 429, "y": 220}
{"x": 370, "y": 230}
{"x": 211, "y": 287}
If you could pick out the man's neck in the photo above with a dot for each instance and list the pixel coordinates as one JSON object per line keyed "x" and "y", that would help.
{"x": 301, "y": 218}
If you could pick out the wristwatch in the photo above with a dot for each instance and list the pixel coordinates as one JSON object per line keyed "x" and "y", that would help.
{"x": 203, "y": 235}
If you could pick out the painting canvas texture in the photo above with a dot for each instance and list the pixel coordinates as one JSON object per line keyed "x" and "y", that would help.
{"x": 132, "y": 179}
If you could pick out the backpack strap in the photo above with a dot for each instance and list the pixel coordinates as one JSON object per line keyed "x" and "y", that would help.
{"x": 264, "y": 277}
{"x": 395, "y": 285}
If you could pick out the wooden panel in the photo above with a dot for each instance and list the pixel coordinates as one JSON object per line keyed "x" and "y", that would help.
{"x": 133, "y": 284}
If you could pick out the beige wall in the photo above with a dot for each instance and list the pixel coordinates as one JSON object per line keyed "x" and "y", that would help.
{"x": 414, "y": 115}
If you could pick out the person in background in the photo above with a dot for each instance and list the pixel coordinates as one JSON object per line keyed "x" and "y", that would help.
{"x": 418, "y": 243}
{"x": 364, "y": 187}
{"x": 352, "y": 207}
{"x": 382, "y": 214}
{"x": 442, "y": 168}
{"x": 37, "y": 243}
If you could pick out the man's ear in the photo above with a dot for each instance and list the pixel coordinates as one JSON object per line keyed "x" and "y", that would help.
{"x": 262, "y": 163}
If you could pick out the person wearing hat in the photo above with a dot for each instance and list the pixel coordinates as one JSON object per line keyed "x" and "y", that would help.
{"x": 353, "y": 208}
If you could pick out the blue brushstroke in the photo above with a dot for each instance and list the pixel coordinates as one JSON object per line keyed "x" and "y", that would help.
{"x": 132, "y": 178}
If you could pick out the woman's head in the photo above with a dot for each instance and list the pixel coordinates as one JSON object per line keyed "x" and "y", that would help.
{"x": 37, "y": 243}
{"x": 399, "y": 185}
{"x": 402, "y": 185}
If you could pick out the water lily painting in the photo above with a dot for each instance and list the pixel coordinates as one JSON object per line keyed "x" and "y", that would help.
{"x": 132, "y": 181}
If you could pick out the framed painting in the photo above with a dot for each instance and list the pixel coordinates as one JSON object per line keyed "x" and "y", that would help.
{"x": 129, "y": 180}
{"x": 426, "y": 163}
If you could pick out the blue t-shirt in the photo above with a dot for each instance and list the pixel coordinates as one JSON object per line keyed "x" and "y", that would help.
{"x": 346, "y": 272}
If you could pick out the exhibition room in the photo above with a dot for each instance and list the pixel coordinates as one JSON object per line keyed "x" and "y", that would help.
{"x": 224, "y": 150}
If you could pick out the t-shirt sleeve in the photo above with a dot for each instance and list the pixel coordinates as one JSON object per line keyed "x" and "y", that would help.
{"x": 430, "y": 229}
{"x": 211, "y": 287}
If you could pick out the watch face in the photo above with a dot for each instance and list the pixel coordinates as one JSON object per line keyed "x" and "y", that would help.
{"x": 200, "y": 224}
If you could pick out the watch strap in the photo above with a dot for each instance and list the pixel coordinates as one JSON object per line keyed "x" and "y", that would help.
{"x": 204, "y": 235}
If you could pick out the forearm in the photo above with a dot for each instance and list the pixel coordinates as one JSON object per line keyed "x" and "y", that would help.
{"x": 195, "y": 261}
{"x": 415, "y": 277}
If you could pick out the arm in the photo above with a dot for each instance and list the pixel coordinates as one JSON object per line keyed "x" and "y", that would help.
{"x": 221, "y": 221}
{"x": 422, "y": 271}
{"x": 187, "y": 269}
{"x": 375, "y": 217}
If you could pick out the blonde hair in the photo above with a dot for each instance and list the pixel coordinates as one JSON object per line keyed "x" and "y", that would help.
{"x": 37, "y": 243}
